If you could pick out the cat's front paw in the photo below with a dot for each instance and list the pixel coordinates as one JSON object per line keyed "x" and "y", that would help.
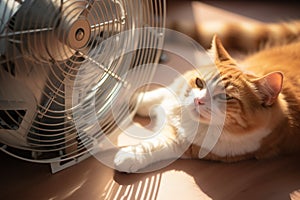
{"x": 126, "y": 160}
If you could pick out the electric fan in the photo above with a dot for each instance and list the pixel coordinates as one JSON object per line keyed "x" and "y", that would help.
{"x": 59, "y": 57}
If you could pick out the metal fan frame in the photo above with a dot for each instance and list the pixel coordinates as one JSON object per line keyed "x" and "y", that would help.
{"x": 78, "y": 42}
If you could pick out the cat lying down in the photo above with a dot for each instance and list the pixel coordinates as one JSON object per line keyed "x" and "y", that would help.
{"x": 245, "y": 114}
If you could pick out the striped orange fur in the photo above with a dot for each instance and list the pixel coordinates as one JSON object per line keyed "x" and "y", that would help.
{"x": 265, "y": 100}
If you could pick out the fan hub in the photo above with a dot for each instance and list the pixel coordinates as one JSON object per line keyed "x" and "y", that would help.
{"x": 79, "y": 34}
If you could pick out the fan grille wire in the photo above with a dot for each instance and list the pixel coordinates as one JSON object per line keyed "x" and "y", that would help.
{"x": 40, "y": 63}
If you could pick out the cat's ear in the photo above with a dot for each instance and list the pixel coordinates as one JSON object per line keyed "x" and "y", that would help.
{"x": 270, "y": 86}
{"x": 218, "y": 50}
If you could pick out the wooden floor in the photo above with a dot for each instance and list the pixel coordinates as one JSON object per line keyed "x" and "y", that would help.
{"x": 184, "y": 179}
{"x": 273, "y": 179}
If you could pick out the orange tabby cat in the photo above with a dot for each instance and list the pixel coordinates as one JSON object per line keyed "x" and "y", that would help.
{"x": 258, "y": 98}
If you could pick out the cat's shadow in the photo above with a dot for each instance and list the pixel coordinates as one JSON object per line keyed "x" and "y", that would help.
{"x": 277, "y": 178}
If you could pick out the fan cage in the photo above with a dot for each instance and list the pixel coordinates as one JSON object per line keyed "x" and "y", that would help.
{"x": 53, "y": 54}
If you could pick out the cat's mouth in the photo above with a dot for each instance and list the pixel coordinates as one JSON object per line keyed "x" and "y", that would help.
{"x": 200, "y": 115}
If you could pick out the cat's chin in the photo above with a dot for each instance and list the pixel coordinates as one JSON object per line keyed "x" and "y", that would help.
{"x": 204, "y": 120}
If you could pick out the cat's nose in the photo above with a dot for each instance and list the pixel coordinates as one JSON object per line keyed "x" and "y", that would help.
{"x": 198, "y": 101}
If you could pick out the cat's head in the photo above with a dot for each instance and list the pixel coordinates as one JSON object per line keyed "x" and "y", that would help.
{"x": 242, "y": 99}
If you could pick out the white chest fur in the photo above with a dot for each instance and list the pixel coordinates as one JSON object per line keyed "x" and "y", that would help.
{"x": 233, "y": 145}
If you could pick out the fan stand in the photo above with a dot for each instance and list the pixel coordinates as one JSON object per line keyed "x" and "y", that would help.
{"x": 61, "y": 165}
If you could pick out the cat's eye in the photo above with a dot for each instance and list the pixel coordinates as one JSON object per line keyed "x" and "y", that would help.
{"x": 199, "y": 83}
{"x": 223, "y": 97}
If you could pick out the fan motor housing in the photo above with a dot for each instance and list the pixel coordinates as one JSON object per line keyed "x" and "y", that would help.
{"x": 79, "y": 34}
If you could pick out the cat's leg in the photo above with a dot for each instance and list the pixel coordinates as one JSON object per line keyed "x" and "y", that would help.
{"x": 162, "y": 147}
{"x": 148, "y": 100}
